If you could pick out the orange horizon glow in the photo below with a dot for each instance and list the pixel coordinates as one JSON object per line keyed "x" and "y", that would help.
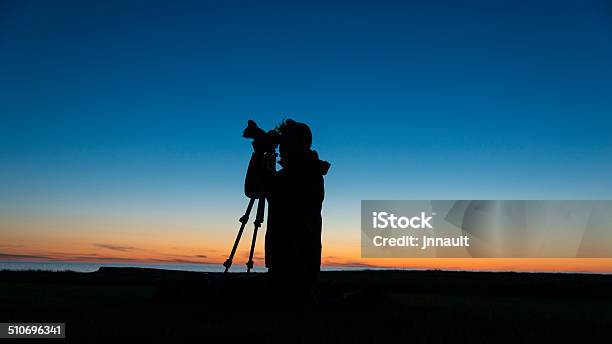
{"x": 560, "y": 265}
{"x": 145, "y": 244}
{"x": 579, "y": 265}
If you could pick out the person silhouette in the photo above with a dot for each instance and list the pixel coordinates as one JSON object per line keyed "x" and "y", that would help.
{"x": 295, "y": 196}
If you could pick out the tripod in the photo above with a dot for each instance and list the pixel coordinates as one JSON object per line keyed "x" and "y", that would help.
{"x": 261, "y": 206}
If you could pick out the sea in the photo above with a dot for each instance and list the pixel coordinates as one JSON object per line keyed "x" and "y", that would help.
{"x": 94, "y": 266}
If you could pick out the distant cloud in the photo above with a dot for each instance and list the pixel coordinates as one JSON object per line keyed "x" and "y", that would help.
{"x": 97, "y": 258}
{"x": 17, "y": 256}
{"x": 93, "y": 256}
{"x": 115, "y": 247}
{"x": 9, "y": 246}
{"x": 328, "y": 261}
{"x": 178, "y": 261}
{"x": 356, "y": 264}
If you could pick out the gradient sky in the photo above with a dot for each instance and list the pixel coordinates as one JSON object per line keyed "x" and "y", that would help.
{"x": 120, "y": 134}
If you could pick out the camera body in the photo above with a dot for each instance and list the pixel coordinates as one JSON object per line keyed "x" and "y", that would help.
{"x": 262, "y": 141}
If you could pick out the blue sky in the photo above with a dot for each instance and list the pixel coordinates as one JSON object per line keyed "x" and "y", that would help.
{"x": 137, "y": 107}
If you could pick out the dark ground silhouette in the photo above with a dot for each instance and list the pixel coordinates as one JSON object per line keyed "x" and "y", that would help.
{"x": 354, "y": 307}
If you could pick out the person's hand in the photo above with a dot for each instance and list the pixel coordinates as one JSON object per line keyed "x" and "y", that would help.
{"x": 259, "y": 145}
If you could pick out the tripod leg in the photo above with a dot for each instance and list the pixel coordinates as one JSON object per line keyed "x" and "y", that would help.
{"x": 243, "y": 220}
{"x": 261, "y": 206}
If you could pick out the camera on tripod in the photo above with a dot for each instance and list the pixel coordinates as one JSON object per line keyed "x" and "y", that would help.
{"x": 266, "y": 143}
{"x": 262, "y": 141}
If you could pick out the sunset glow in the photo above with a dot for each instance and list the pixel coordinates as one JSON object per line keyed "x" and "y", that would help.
{"x": 121, "y": 128}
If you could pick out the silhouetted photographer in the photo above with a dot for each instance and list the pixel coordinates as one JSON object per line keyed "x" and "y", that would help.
{"x": 295, "y": 197}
